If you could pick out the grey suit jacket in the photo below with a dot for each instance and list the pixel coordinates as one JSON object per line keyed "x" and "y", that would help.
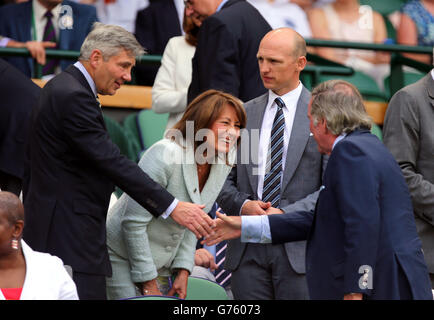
{"x": 408, "y": 133}
{"x": 155, "y": 246}
{"x": 301, "y": 178}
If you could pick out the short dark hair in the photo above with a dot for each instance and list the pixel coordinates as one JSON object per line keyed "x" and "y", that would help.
{"x": 11, "y": 205}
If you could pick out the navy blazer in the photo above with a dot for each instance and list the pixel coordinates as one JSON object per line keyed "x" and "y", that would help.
{"x": 16, "y": 23}
{"x": 155, "y": 25}
{"x": 18, "y": 97}
{"x": 225, "y": 57}
{"x": 73, "y": 168}
{"x": 363, "y": 221}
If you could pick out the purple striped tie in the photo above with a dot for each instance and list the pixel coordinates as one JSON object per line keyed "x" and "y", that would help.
{"x": 49, "y": 35}
{"x": 273, "y": 173}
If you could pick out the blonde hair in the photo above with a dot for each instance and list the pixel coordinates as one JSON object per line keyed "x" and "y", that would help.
{"x": 341, "y": 105}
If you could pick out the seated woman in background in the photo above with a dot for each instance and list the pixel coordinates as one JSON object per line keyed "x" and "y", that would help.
{"x": 346, "y": 20}
{"x": 416, "y": 27}
{"x": 169, "y": 92}
{"x": 192, "y": 163}
{"x": 26, "y": 274}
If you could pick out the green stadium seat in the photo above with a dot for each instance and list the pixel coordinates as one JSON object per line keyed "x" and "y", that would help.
{"x": 202, "y": 289}
{"x": 375, "y": 129}
{"x": 130, "y": 124}
{"x": 385, "y": 7}
{"x": 365, "y": 84}
{"x": 409, "y": 78}
{"x": 151, "y": 126}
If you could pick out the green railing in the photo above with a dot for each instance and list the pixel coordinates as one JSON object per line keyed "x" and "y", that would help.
{"x": 321, "y": 66}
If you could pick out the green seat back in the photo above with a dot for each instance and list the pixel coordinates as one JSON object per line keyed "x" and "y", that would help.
{"x": 384, "y": 7}
{"x": 409, "y": 78}
{"x": 202, "y": 289}
{"x": 151, "y": 126}
{"x": 131, "y": 125}
{"x": 375, "y": 129}
{"x": 365, "y": 84}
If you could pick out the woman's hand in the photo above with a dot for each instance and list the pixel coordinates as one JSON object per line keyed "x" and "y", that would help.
{"x": 180, "y": 284}
{"x": 149, "y": 288}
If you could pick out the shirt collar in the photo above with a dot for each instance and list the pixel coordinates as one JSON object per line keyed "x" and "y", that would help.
{"x": 39, "y": 11}
{"x": 341, "y": 137}
{"x": 290, "y": 98}
{"x": 86, "y": 74}
{"x": 221, "y": 5}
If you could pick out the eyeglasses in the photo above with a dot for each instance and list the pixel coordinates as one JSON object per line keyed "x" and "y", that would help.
{"x": 188, "y": 4}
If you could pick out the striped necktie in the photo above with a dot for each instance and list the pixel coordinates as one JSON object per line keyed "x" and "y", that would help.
{"x": 49, "y": 35}
{"x": 222, "y": 276}
{"x": 273, "y": 169}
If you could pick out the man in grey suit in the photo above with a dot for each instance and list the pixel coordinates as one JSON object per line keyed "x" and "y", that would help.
{"x": 274, "y": 271}
{"x": 408, "y": 133}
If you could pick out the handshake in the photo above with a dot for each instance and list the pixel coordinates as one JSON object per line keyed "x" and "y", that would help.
{"x": 229, "y": 227}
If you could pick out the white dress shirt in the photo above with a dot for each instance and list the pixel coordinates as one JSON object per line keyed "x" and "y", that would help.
{"x": 290, "y": 99}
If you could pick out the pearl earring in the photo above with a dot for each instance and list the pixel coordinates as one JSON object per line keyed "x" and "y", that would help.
{"x": 15, "y": 244}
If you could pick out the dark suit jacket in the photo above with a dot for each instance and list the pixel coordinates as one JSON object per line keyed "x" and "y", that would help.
{"x": 302, "y": 176}
{"x": 155, "y": 25}
{"x": 363, "y": 220}
{"x": 16, "y": 23}
{"x": 409, "y": 135}
{"x": 18, "y": 96}
{"x": 73, "y": 164}
{"x": 225, "y": 57}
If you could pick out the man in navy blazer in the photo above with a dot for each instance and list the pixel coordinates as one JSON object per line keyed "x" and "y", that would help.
{"x": 362, "y": 241}
{"x": 75, "y": 22}
{"x": 155, "y": 25}
{"x": 228, "y": 40}
{"x": 74, "y": 165}
{"x": 19, "y": 95}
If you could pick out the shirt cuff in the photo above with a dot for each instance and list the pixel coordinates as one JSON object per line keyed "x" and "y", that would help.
{"x": 169, "y": 210}
{"x": 255, "y": 229}
{"x": 3, "y": 42}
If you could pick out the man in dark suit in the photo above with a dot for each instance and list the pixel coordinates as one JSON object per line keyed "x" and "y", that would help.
{"x": 155, "y": 25}
{"x": 409, "y": 135}
{"x": 22, "y": 23}
{"x": 361, "y": 240}
{"x": 73, "y": 164}
{"x": 19, "y": 95}
{"x": 264, "y": 272}
{"x": 225, "y": 57}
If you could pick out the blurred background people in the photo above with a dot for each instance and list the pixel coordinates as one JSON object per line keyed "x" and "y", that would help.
{"x": 26, "y": 274}
{"x": 416, "y": 27}
{"x": 64, "y": 22}
{"x": 169, "y": 92}
{"x": 145, "y": 251}
{"x": 346, "y": 20}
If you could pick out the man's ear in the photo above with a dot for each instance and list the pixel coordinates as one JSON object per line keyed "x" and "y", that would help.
{"x": 301, "y": 63}
{"x": 96, "y": 58}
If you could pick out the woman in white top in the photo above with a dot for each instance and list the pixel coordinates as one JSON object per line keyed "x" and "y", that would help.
{"x": 169, "y": 92}
{"x": 26, "y": 274}
{"x": 347, "y": 20}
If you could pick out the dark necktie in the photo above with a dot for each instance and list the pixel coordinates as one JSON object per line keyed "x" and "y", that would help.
{"x": 49, "y": 35}
{"x": 273, "y": 169}
{"x": 222, "y": 276}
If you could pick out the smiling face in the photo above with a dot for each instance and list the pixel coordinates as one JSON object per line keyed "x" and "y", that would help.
{"x": 225, "y": 130}
{"x": 111, "y": 74}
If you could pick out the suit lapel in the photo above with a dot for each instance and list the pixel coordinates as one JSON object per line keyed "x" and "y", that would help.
{"x": 429, "y": 83}
{"x": 189, "y": 171}
{"x": 254, "y": 123}
{"x": 299, "y": 137}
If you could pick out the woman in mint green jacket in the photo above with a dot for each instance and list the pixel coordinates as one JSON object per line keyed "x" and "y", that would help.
{"x": 192, "y": 163}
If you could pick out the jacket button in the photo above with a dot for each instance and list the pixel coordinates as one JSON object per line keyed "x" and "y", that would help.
{"x": 168, "y": 248}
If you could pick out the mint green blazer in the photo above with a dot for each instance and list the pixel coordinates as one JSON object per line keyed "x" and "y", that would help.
{"x": 156, "y": 246}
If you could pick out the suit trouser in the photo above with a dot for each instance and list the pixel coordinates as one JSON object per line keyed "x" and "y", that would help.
{"x": 265, "y": 273}
{"x": 90, "y": 286}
